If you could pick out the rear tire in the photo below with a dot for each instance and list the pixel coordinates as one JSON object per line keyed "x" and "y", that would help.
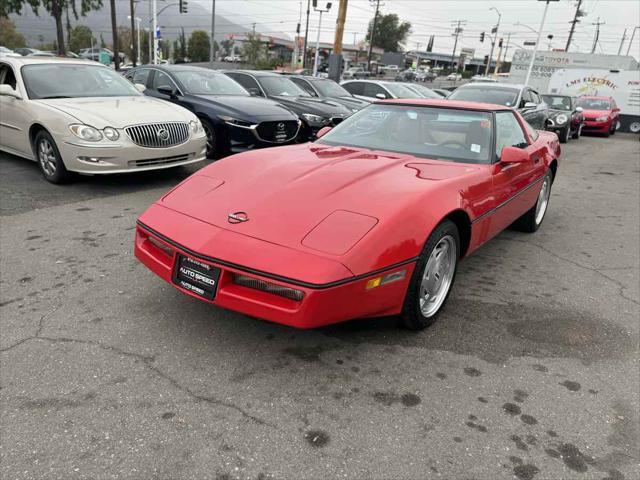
{"x": 433, "y": 277}
{"x": 49, "y": 159}
{"x": 531, "y": 221}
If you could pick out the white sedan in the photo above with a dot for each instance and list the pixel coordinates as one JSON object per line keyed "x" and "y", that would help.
{"x": 80, "y": 116}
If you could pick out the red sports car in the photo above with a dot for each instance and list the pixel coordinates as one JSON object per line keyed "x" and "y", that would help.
{"x": 369, "y": 220}
{"x": 601, "y": 114}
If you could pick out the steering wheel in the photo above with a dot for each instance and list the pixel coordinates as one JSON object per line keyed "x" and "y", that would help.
{"x": 454, "y": 143}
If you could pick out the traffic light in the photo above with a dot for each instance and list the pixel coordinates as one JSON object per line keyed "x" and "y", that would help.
{"x": 482, "y": 37}
{"x": 183, "y": 6}
{"x": 500, "y": 43}
{"x": 486, "y": 59}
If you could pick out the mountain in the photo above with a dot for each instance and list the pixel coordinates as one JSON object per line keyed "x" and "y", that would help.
{"x": 41, "y": 29}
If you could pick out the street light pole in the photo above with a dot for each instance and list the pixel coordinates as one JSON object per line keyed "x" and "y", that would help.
{"x": 138, "y": 53}
{"x": 155, "y": 32}
{"x": 495, "y": 39}
{"x": 317, "y": 57}
{"x": 535, "y": 48}
{"x": 212, "y": 47}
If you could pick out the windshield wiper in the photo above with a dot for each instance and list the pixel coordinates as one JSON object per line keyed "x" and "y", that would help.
{"x": 48, "y": 97}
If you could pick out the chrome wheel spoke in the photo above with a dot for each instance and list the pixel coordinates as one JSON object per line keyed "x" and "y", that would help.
{"x": 437, "y": 276}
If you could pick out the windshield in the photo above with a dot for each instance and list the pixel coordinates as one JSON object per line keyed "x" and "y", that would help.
{"x": 281, "y": 86}
{"x": 427, "y": 132}
{"x": 401, "y": 91}
{"x": 75, "y": 81}
{"x": 329, "y": 88}
{"x": 488, "y": 94}
{"x": 594, "y": 104}
{"x": 425, "y": 92}
{"x": 558, "y": 102}
{"x": 207, "y": 82}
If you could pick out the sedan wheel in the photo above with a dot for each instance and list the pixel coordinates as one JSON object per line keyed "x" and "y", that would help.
{"x": 432, "y": 278}
{"x": 49, "y": 159}
{"x": 565, "y": 134}
{"x": 531, "y": 221}
{"x": 211, "y": 138}
{"x": 543, "y": 199}
{"x": 578, "y": 132}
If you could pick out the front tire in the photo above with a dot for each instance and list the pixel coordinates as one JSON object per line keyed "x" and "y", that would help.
{"x": 565, "y": 134}
{"x": 531, "y": 221}
{"x": 49, "y": 159}
{"x": 432, "y": 278}
{"x": 578, "y": 132}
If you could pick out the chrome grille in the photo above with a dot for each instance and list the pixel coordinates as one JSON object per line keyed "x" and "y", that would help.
{"x": 158, "y": 135}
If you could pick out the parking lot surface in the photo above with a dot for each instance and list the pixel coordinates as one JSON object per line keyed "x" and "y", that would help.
{"x": 530, "y": 373}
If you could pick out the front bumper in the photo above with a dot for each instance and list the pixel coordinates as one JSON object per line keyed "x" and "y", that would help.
{"x": 596, "y": 127}
{"x": 331, "y": 294}
{"x": 124, "y": 156}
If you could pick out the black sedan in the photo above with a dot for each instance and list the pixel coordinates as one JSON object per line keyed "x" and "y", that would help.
{"x": 565, "y": 116}
{"x": 519, "y": 97}
{"x": 314, "y": 113}
{"x": 233, "y": 120}
{"x": 326, "y": 88}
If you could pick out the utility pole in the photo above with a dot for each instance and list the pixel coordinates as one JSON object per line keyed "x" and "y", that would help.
{"x": 296, "y": 53}
{"x": 494, "y": 30}
{"x": 306, "y": 34}
{"x": 457, "y": 32}
{"x": 134, "y": 50}
{"x": 575, "y": 20}
{"x": 373, "y": 32}
{"x": 535, "y": 48}
{"x": 597, "y": 35}
{"x": 212, "y": 46}
{"x": 624, "y": 35}
{"x": 342, "y": 16}
{"x": 506, "y": 48}
{"x": 155, "y": 32}
{"x": 114, "y": 35}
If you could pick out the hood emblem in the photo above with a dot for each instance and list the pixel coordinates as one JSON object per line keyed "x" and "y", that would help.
{"x": 281, "y": 126}
{"x": 163, "y": 134}
{"x": 238, "y": 217}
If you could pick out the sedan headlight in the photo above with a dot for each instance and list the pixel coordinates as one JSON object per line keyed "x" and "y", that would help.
{"x": 111, "y": 133}
{"x": 313, "y": 119}
{"x": 195, "y": 126}
{"x": 602, "y": 119}
{"x": 86, "y": 132}
{"x": 562, "y": 118}
{"x": 234, "y": 121}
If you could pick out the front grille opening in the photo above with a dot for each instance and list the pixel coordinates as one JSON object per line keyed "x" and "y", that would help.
{"x": 159, "y": 161}
{"x": 268, "y": 287}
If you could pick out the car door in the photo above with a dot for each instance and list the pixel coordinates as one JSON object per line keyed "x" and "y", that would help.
{"x": 513, "y": 184}
{"x": 14, "y": 115}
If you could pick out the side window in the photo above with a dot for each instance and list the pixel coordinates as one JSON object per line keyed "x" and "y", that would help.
{"x": 508, "y": 132}
{"x": 7, "y": 77}
{"x": 247, "y": 82}
{"x": 354, "y": 88}
{"x": 162, "y": 80}
{"x": 535, "y": 97}
{"x": 371, "y": 90}
{"x": 141, "y": 76}
{"x": 533, "y": 133}
{"x": 526, "y": 97}
{"x": 303, "y": 84}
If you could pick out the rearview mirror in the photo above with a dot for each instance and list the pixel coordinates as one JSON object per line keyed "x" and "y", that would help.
{"x": 323, "y": 131}
{"x": 513, "y": 155}
{"x": 7, "y": 91}
{"x": 140, "y": 87}
{"x": 579, "y": 109}
{"x": 166, "y": 91}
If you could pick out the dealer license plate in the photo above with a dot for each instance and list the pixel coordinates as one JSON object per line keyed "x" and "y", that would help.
{"x": 197, "y": 277}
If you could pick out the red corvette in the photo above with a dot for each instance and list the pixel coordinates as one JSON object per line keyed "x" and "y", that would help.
{"x": 369, "y": 220}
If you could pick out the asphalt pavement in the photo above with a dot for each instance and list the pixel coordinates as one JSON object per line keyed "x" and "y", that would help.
{"x": 530, "y": 373}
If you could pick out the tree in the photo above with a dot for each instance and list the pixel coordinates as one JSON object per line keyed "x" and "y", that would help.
{"x": 199, "y": 46}
{"x": 390, "y": 33}
{"x": 9, "y": 36}
{"x": 226, "y": 46}
{"x": 253, "y": 50}
{"x": 79, "y": 38}
{"x": 55, "y": 8}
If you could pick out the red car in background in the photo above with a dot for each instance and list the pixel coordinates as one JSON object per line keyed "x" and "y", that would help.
{"x": 601, "y": 115}
{"x": 369, "y": 220}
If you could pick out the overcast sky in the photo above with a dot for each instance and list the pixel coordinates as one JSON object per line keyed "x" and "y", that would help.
{"x": 435, "y": 17}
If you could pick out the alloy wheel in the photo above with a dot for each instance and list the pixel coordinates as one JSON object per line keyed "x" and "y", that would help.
{"x": 47, "y": 157}
{"x": 438, "y": 276}
{"x": 211, "y": 139}
{"x": 543, "y": 199}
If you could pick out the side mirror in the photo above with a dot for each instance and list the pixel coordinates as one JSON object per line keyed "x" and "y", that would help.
{"x": 140, "y": 87}
{"x": 255, "y": 92}
{"x": 381, "y": 96}
{"x": 323, "y": 131}
{"x": 529, "y": 105}
{"x": 513, "y": 155}
{"x": 7, "y": 91}
{"x": 579, "y": 109}
{"x": 166, "y": 91}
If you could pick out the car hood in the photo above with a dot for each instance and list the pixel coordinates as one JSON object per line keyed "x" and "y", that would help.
{"x": 317, "y": 106}
{"x": 596, "y": 113}
{"x": 286, "y": 192}
{"x": 246, "y": 107}
{"x": 119, "y": 112}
